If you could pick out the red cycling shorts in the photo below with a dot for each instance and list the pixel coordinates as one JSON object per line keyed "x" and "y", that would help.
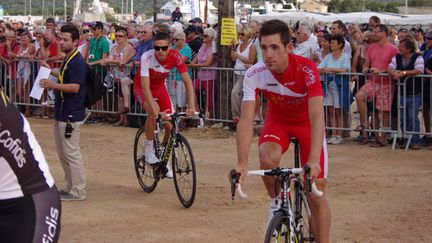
{"x": 281, "y": 133}
{"x": 160, "y": 95}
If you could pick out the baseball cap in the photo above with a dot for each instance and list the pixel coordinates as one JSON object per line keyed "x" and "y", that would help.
{"x": 98, "y": 24}
{"x": 191, "y": 29}
{"x": 197, "y": 20}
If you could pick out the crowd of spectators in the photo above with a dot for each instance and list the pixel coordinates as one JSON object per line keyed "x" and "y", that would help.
{"x": 338, "y": 48}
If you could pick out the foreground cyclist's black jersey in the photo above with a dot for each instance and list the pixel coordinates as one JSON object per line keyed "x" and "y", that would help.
{"x": 23, "y": 168}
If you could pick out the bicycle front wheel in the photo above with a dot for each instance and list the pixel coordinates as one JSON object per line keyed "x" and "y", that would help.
{"x": 184, "y": 172}
{"x": 145, "y": 173}
{"x": 278, "y": 230}
{"x": 303, "y": 216}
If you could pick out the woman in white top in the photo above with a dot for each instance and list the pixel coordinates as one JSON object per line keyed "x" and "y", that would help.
{"x": 26, "y": 51}
{"x": 118, "y": 73}
{"x": 335, "y": 86}
{"x": 244, "y": 56}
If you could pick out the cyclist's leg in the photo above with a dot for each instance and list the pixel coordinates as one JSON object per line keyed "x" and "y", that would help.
{"x": 150, "y": 123}
{"x": 273, "y": 143}
{"x": 166, "y": 106}
{"x": 320, "y": 218}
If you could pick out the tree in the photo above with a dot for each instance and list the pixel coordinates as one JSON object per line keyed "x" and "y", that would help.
{"x": 392, "y": 7}
{"x": 344, "y": 6}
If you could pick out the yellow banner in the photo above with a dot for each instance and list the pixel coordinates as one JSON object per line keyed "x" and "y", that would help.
{"x": 228, "y": 32}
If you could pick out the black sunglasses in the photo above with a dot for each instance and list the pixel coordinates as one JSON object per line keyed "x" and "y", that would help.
{"x": 242, "y": 34}
{"x": 176, "y": 39}
{"x": 205, "y": 36}
{"x": 163, "y": 48}
{"x": 142, "y": 32}
{"x": 117, "y": 36}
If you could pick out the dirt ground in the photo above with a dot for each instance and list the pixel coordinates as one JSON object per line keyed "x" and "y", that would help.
{"x": 375, "y": 194}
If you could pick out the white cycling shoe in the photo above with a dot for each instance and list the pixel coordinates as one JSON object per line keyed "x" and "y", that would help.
{"x": 169, "y": 174}
{"x": 150, "y": 157}
{"x": 274, "y": 205}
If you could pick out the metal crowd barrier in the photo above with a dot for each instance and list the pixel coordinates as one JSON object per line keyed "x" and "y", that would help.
{"x": 213, "y": 89}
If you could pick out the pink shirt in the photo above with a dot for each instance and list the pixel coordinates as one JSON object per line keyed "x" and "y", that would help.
{"x": 380, "y": 57}
{"x": 205, "y": 53}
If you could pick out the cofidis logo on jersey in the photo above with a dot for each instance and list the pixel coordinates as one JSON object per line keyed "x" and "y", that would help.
{"x": 52, "y": 222}
{"x": 14, "y": 147}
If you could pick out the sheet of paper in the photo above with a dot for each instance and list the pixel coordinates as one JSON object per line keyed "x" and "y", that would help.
{"x": 37, "y": 90}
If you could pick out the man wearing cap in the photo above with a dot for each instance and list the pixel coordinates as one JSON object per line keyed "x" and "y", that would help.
{"x": 98, "y": 47}
{"x": 193, "y": 38}
{"x": 197, "y": 22}
{"x": 426, "y": 47}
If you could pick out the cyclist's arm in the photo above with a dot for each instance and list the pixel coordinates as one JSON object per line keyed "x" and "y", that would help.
{"x": 189, "y": 90}
{"x": 145, "y": 84}
{"x": 316, "y": 116}
{"x": 244, "y": 136}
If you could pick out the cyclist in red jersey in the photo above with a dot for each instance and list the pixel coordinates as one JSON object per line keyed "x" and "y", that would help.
{"x": 151, "y": 91}
{"x": 295, "y": 109}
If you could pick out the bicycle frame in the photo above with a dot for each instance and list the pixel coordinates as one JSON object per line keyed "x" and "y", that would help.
{"x": 286, "y": 205}
{"x": 164, "y": 152}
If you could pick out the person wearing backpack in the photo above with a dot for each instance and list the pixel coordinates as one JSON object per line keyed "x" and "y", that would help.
{"x": 69, "y": 108}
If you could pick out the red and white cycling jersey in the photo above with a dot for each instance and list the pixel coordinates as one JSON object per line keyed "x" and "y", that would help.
{"x": 287, "y": 93}
{"x": 158, "y": 70}
{"x": 288, "y": 111}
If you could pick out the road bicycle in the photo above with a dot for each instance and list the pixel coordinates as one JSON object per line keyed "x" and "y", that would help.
{"x": 182, "y": 159}
{"x": 291, "y": 222}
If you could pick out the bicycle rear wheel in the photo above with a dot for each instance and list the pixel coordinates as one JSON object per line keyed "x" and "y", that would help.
{"x": 184, "y": 172}
{"x": 144, "y": 172}
{"x": 278, "y": 229}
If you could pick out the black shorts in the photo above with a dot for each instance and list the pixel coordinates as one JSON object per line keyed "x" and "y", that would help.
{"x": 32, "y": 218}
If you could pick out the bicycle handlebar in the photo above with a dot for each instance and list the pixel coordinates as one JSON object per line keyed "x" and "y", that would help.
{"x": 236, "y": 186}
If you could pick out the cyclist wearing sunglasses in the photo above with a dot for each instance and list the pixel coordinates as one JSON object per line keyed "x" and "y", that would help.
{"x": 151, "y": 92}
{"x": 292, "y": 87}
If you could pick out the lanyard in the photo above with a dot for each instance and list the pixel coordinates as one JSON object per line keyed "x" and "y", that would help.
{"x": 63, "y": 69}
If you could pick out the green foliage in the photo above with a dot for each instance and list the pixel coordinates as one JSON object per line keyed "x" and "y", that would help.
{"x": 17, "y": 7}
{"x": 417, "y": 3}
{"x": 346, "y": 6}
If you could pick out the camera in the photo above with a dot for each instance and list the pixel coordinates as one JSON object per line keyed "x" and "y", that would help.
{"x": 69, "y": 128}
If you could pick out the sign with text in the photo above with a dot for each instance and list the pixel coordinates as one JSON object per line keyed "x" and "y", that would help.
{"x": 228, "y": 32}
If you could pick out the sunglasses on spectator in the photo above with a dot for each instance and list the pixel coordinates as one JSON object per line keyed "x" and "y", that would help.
{"x": 366, "y": 41}
{"x": 429, "y": 38}
{"x": 205, "y": 36}
{"x": 177, "y": 39}
{"x": 142, "y": 32}
{"x": 118, "y": 36}
{"x": 86, "y": 31}
{"x": 159, "y": 48}
{"x": 242, "y": 34}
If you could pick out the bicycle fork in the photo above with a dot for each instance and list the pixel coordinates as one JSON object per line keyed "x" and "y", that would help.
{"x": 285, "y": 197}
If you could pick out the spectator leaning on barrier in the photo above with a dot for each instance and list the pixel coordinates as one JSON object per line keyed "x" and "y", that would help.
{"x": 204, "y": 79}
{"x": 403, "y": 66}
{"x": 380, "y": 88}
{"x": 186, "y": 53}
{"x": 69, "y": 114}
{"x": 118, "y": 72}
{"x": 336, "y": 88}
{"x": 244, "y": 56}
{"x": 26, "y": 50}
